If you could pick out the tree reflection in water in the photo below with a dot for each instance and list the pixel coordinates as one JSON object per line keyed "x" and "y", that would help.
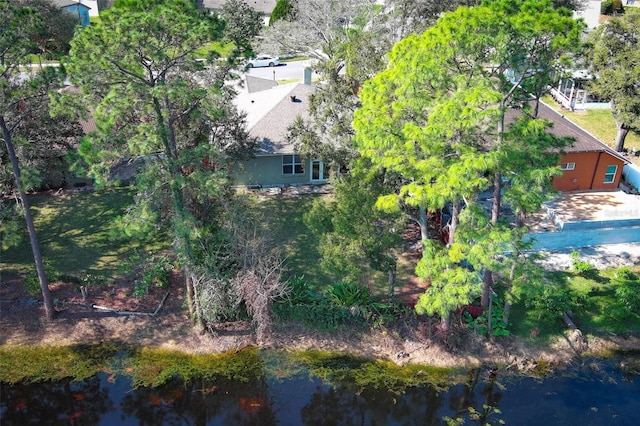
{"x": 486, "y": 397}
{"x": 63, "y": 402}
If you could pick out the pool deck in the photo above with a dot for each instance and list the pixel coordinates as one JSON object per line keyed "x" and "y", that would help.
{"x": 575, "y": 207}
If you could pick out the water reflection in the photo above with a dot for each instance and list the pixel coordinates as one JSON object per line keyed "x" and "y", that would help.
{"x": 603, "y": 396}
{"x": 62, "y": 402}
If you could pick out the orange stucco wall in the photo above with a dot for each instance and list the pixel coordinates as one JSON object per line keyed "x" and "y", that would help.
{"x": 588, "y": 173}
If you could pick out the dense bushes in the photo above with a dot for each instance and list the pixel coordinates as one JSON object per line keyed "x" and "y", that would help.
{"x": 344, "y": 304}
{"x": 609, "y": 7}
{"x": 627, "y": 292}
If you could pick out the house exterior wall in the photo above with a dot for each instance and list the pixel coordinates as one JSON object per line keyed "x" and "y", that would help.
{"x": 79, "y": 10}
{"x": 589, "y": 172}
{"x": 93, "y": 7}
{"x": 267, "y": 171}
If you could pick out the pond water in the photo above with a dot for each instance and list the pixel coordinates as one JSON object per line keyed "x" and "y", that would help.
{"x": 592, "y": 392}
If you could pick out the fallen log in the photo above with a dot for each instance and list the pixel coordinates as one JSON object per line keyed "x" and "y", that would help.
{"x": 118, "y": 312}
{"x": 161, "y": 304}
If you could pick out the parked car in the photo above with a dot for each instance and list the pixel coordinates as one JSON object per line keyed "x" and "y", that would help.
{"x": 263, "y": 61}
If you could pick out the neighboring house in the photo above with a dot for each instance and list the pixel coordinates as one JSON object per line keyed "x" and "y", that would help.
{"x": 276, "y": 164}
{"x": 590, "y": 13}
{"x": 82, "y": 11}
{"x": 571, "y": 92}
{"x": 264, "y": 6}
{"x": 588, "y": 164}
{"x": 93, "y": 7}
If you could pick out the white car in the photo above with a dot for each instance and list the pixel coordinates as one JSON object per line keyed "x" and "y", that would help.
{"x": 263, "y": 61}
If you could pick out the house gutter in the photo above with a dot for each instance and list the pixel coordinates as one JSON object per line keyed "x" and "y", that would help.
{"x": 593, "y": 178}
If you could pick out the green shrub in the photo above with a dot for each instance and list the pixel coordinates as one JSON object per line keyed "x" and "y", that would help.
{"x": 282, "y": 10}
{"x": 349, "y": 294}
{"x": 550, "y": 301}
{"x": 625, "y": 273}
{"x": 580, "y": 266}
{"x": 154, "y": 272}
{"x": 609, "y": 7}
{"x": 628, "y": 295}
{"x": 32, "y": 283}
{"x": 93, "y": 280}
{"x": 301, "y": 292}
{"x": 323, "y": 316}
{"x": 481, "y": 323}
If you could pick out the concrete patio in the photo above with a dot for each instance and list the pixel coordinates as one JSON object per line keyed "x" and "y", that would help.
{"x": 584, "y": 219}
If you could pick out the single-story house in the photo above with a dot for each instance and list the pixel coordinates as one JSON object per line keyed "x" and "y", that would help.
{"x": 587, "y": 164}
{"x": 263, "y": 6}
{"x": 77, "y": 8}
{"x": 270, "y": 112}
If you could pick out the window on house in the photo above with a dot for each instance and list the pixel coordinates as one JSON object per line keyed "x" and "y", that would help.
{"x": 567, "y": 166}
{"x": 292, "y": 165}
{"x": 610, "y": 174}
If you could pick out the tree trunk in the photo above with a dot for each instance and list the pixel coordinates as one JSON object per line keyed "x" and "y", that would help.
{"x": 455, "y": 212}
{"x": 392, "y": 279}
{"x": 445, "y": 322}
{"x": 487, "y": 278}
{"x": 497, "y": 197}
{"x": 621, "y": 136}
{"x": 167, "y": 136}
{"x": 424, "y": 225}
{"x": 490, "y": 316}
{"x": 33, "y": 238}
{"x": 487, "y": 283}
{"x": 506, "y": 311}
{"x": 191, "y": 293}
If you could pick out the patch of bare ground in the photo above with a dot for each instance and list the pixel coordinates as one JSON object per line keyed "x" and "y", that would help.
{"x": 414, "y": 339}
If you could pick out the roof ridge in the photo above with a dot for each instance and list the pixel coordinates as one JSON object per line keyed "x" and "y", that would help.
{"x": 604, "y": 146}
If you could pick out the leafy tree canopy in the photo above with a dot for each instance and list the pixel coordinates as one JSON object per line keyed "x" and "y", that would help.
{"x": 282, "y": 10}
{"x": 437, "y": 117}
{"x": 615, "y": 58}
{"x": 153, "y": 101}
{"x": 242, "y": 24}
{"x": 55, "y": 29}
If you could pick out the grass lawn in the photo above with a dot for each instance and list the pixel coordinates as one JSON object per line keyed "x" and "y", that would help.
{"x": 77, "y": 235}
{"x": 597, "y": 311}
{"x": 294, "y": 58}
{"x": 598, "y": 122}
{"x": 301, "y": 248}
{"x": 223, "y": 49}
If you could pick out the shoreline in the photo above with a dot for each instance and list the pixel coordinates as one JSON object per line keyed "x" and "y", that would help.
{"x": 461, "y": 349}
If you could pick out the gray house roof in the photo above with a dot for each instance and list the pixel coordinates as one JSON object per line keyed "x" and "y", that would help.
{"x": 584, "y": 141}
{"x": 264, "y": 6}
{"x": 270, "y": 113}
{"x": 65, "y": 3}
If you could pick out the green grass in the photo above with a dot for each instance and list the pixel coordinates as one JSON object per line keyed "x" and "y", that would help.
{"x": 598, "y": 122}
{"x": 598, "y": 311}
{"x": 294, "y": 58}
{"x": 77, "y": 234}
{"x": 301, "y": 249}
{"x": 223, "y": 49}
